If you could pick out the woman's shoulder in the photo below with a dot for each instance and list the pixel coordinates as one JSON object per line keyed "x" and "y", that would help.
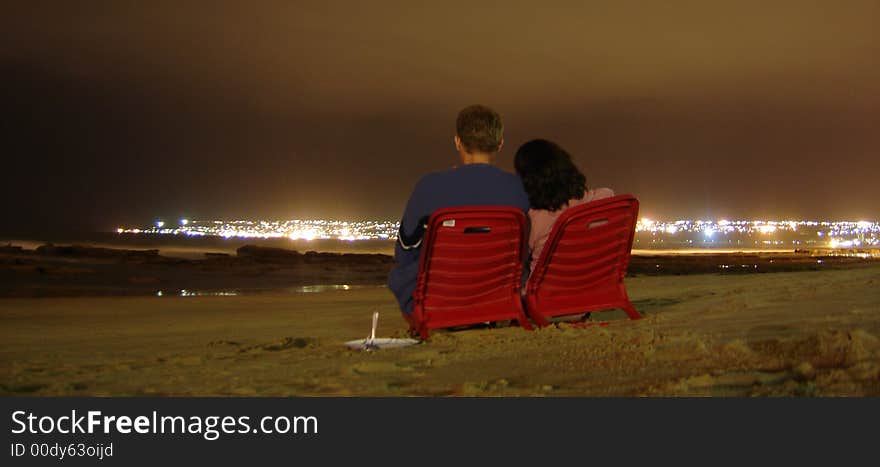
{"x": 599, "y": 193}
{"x": 592, "y": 195}
{"x": 589, "y": 195}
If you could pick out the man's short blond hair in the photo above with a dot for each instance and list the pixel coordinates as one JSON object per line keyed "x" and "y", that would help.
{"x": 480, "y": 129}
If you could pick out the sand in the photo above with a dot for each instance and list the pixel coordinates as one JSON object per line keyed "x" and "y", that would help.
{"x": 812, "y": 333}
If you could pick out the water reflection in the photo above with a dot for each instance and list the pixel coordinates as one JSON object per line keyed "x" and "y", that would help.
{"x": 326, "y": 288}
{"x": 232, "y": 293}
{"x": 197, "y": 293}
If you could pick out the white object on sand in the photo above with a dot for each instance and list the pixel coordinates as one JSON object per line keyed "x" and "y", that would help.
{"x": 380, "y": 343}
{"x": 371, "y": 343}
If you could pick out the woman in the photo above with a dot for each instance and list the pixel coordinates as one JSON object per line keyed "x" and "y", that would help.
{"x": 553, "y": 184}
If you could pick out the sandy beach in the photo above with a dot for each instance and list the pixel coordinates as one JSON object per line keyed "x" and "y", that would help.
{"x": 806, "y": 333}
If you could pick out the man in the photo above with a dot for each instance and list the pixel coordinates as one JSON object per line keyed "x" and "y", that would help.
{"x": 478, "y": 139}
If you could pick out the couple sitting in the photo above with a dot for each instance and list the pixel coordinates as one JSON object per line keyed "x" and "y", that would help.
{"x": 548, "y": 183}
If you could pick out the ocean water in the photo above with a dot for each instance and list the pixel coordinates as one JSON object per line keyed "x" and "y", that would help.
{"x": 196, "y": 247}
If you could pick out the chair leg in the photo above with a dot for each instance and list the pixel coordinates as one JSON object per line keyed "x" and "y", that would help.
{"x": 521, "y": 317}
{"x": 528, "y": 308}
{"x": 540, "y": 320}
{"x": 413, "y": 328}
{"x": 631, "y": 310}
{"x": 627, "y": 306}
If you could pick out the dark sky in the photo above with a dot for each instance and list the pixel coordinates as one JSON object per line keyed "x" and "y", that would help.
{"x": 122, "y": 112}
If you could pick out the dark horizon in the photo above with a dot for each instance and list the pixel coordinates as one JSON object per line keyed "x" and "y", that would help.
{"x": 119, "y": 114}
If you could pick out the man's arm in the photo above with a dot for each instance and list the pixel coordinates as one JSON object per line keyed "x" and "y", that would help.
{"x": 402, "y": 280}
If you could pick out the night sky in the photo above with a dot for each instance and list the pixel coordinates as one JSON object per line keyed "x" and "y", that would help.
{"x": 123, "y": 112}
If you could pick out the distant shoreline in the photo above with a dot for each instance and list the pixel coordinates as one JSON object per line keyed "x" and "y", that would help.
{"x": 195, "y": 247}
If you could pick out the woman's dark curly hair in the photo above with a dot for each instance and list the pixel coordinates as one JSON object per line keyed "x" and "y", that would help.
{"x": 548, "y": 174}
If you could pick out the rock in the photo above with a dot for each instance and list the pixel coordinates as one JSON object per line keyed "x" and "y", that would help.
{"x": 50, "y": 249}
{"x": 805, "y": 371}
{"x": 216, "y": 255}
{"x": 267, "y": 253}
{"x": 11, "y": 249}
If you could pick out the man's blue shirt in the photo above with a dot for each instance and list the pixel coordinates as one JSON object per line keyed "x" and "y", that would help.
{"x": 466, "y": 185}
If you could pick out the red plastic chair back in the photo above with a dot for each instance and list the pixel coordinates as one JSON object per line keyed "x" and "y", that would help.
{"x": 584, "y": 261}
{"x": 470, "y": 270}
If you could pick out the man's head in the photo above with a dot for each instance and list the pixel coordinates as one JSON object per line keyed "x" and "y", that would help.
{"x": 479, "y": 134}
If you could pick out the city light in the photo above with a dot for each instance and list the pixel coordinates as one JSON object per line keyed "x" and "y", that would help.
{"x": 759, "y": 233}
{"x": 297, "y": 229}
{"x": 649, "y": 232}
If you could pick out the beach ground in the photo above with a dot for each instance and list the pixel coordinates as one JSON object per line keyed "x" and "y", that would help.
{"x": 811, "y": 333}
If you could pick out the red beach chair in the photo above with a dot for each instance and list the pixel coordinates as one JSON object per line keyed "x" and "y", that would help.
{"x": 470, "y": 270}
{"x": 583, "y": 263}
